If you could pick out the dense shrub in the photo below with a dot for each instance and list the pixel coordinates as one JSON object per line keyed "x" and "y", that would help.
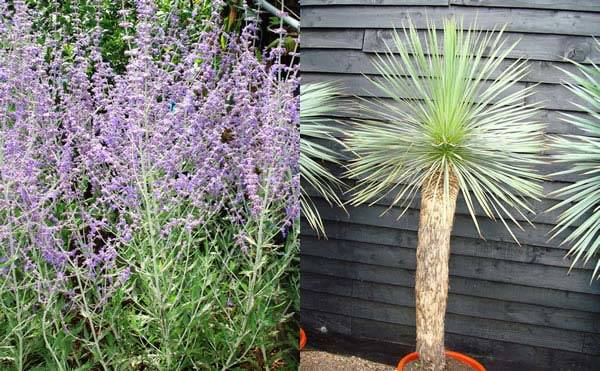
{"x": 147, "y": 218}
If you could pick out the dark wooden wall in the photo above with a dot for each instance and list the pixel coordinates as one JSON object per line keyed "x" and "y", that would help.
{"x": 514, "y": 307}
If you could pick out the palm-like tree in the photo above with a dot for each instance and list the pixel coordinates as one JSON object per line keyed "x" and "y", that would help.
{"x": 316, "y": 101}
{"x": 583, "y": 154}
{"x": 455, "y": 123}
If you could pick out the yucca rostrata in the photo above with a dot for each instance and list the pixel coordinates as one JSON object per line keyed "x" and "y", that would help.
{"x": 453, "y": 120}
{"x": 582, "y": 152}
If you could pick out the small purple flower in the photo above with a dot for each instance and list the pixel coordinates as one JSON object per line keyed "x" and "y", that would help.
{"x": 124, "y": 275}
{"x": 4, "y": 268}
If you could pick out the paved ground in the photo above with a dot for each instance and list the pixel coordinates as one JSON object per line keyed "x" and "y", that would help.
{"x": 314, "y": 360}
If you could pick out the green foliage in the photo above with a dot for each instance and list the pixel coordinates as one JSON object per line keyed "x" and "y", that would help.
{"x": 195, "y": 300}
{"x": 453, "y": 116}
{"x": 317, "y": 100}
{"x": 67, "y": 16}
{"x": 86, "y": 14}
{"x": 582, "y": 153}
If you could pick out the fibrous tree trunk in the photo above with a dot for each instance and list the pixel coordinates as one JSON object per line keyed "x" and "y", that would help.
{"x": 431, "y": 281}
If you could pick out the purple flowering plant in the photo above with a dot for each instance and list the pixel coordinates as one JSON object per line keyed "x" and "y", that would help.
{"x": 147, "y": 218}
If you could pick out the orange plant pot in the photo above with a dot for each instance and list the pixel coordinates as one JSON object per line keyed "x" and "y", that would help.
{"x": 457, "y": 356}
{"x": 302, "y": 339}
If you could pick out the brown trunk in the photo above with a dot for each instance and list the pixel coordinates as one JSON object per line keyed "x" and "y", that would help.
{"x": 431, "y": 281}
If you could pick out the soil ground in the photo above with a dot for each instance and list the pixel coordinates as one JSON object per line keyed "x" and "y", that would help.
{"x": 315, "y": 360}
{"x": 451, "y": 365}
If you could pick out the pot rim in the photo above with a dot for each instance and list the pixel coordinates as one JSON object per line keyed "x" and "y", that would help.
{"x": 450, "y": 354}
{"x": 302, "y": 338}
